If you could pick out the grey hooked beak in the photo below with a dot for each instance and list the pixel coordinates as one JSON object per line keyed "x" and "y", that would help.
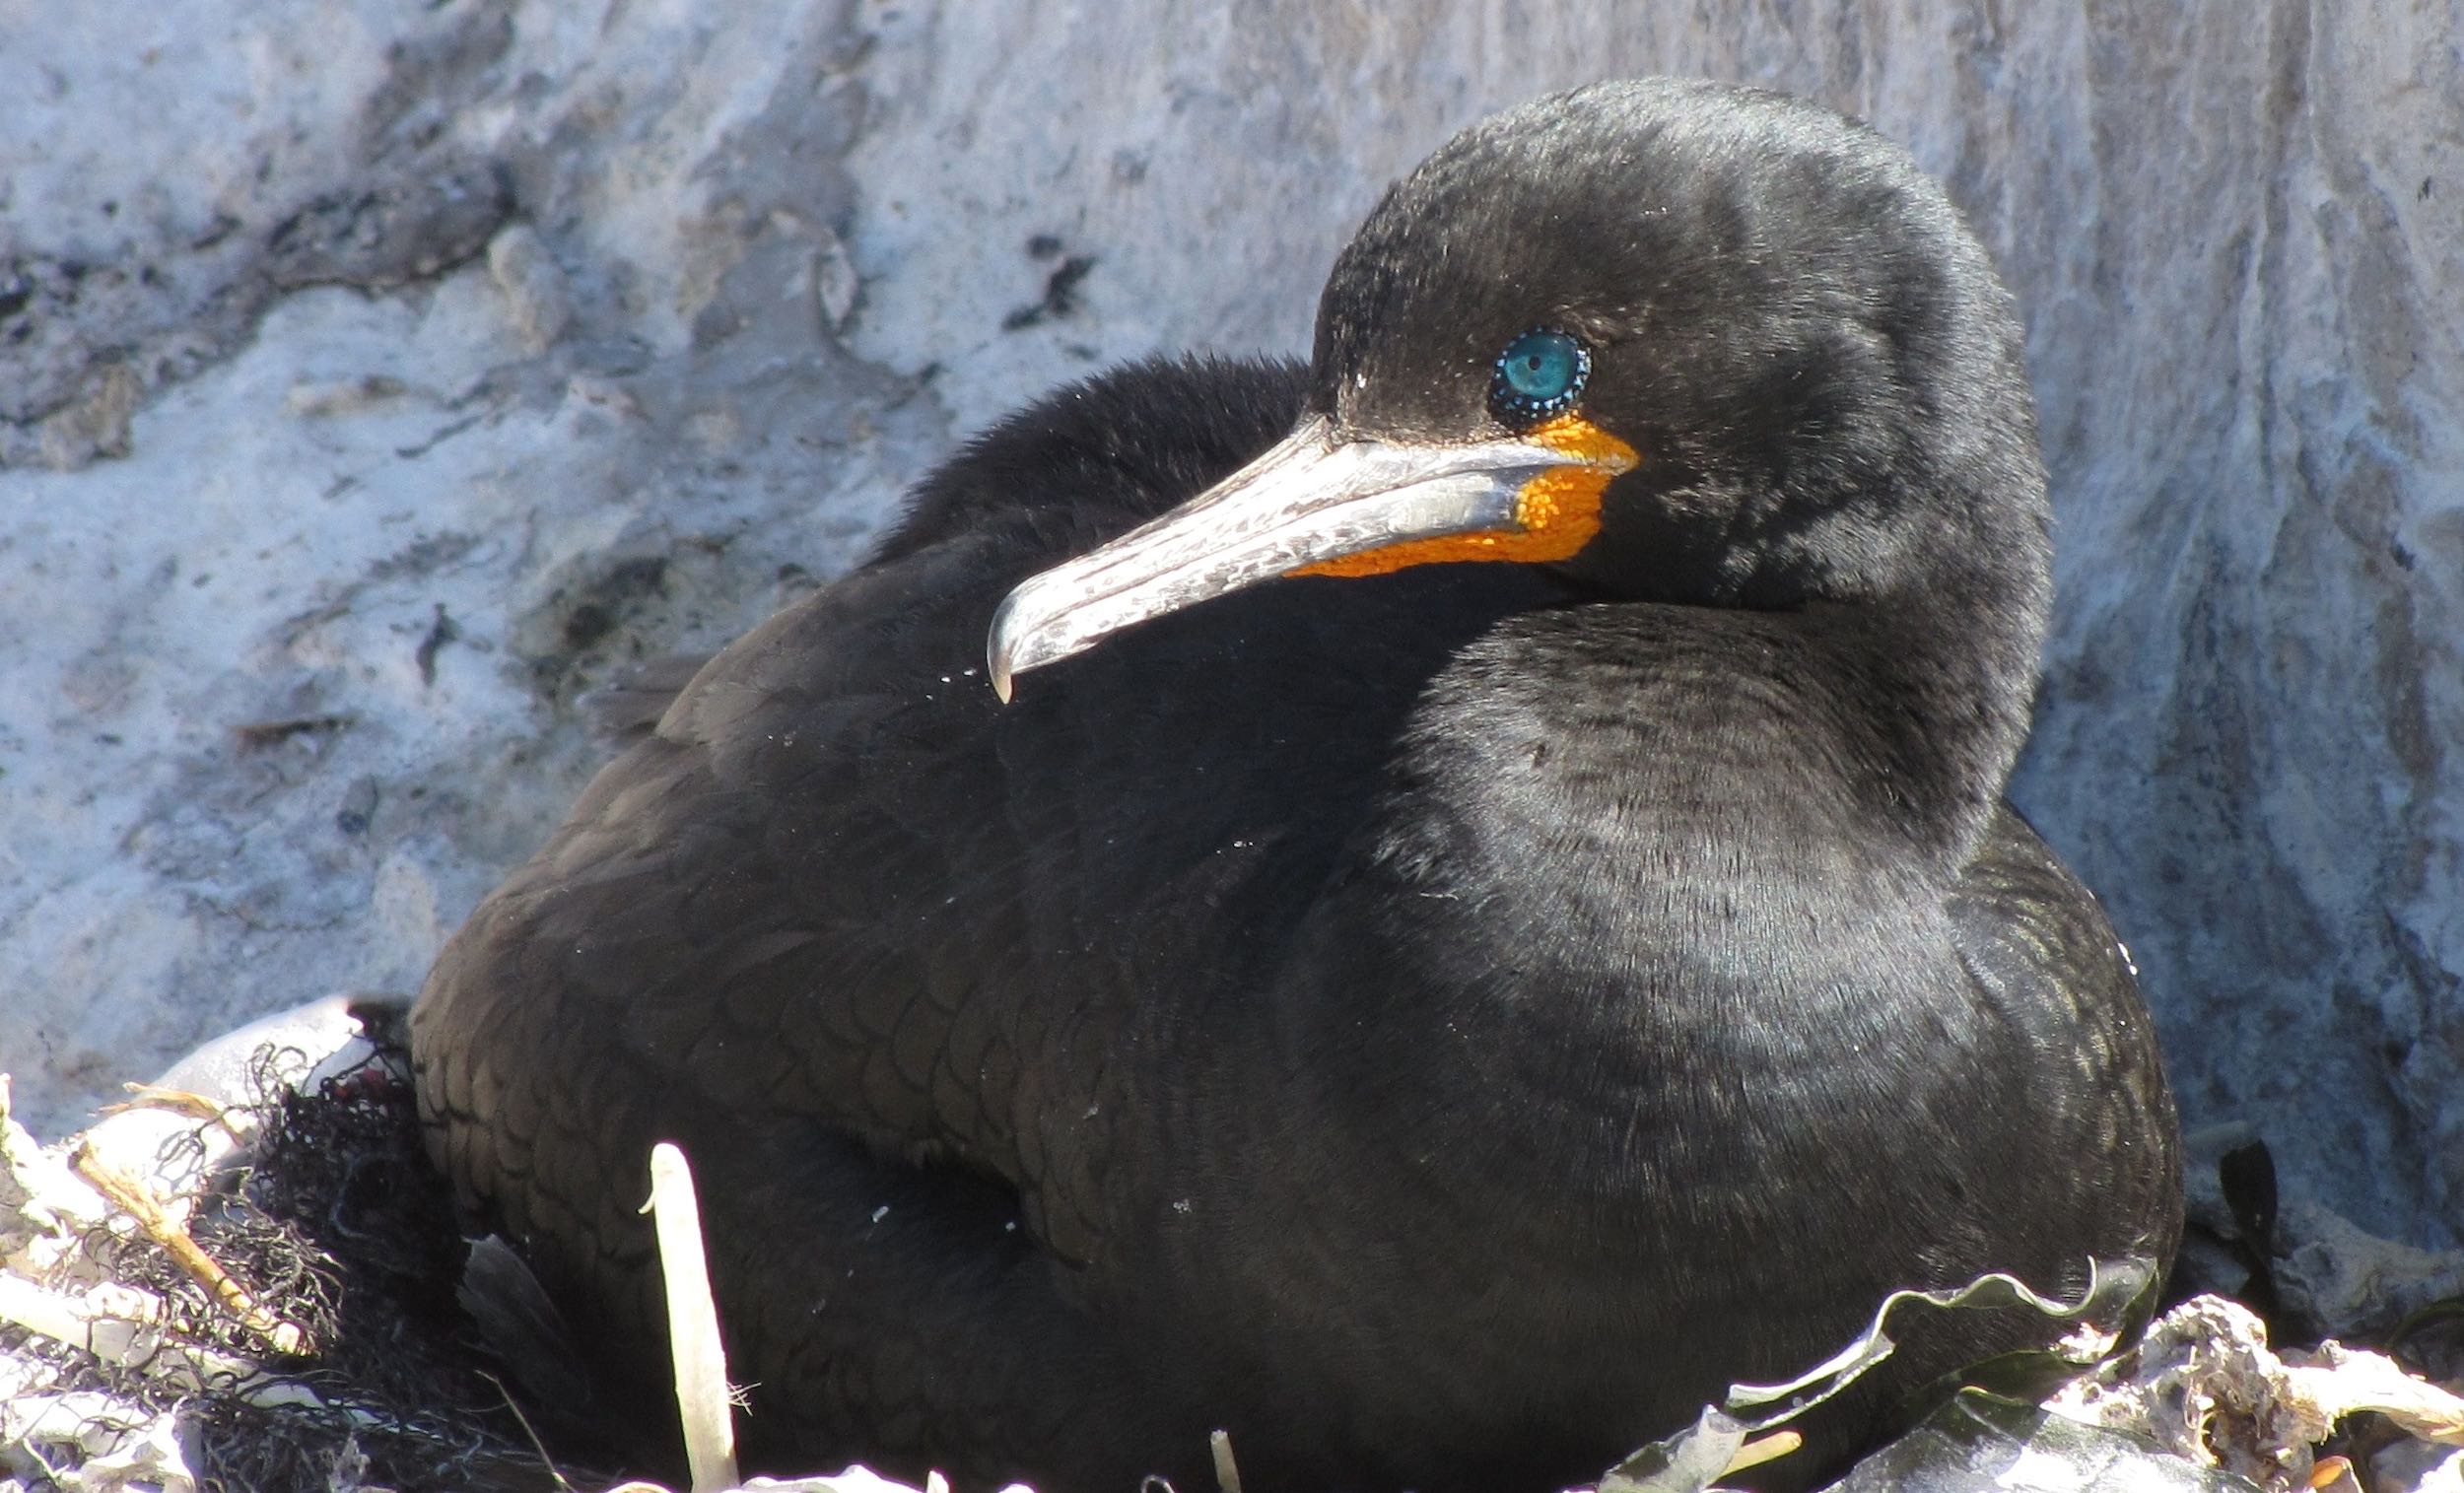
{"x": 1310, "y": 499}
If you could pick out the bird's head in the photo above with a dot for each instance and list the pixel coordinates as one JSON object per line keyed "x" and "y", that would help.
{"x": 1681, "y": 342}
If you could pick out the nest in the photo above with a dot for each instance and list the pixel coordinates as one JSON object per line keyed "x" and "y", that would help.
{"x": 333, "y": 1354}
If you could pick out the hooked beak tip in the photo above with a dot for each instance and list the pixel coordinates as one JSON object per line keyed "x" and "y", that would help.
{"x": 999, "y": 650}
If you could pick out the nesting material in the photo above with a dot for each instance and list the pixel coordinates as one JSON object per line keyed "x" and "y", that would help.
{"x": 258, "y": 1294}
{"x": 2206, "y": 1386}
{"x": 703, "y": 1398}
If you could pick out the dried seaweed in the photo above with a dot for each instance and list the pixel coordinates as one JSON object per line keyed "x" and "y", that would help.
{"x": 339, "y": 1225}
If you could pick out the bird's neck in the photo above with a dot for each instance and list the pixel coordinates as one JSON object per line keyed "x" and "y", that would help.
{"x": 1881, "y": 702}
{"x": 1640, "y": 747}
{"x": 1924, "y": 706}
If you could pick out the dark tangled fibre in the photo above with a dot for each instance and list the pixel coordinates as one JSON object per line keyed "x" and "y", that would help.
{"x": 340, "y": 1226}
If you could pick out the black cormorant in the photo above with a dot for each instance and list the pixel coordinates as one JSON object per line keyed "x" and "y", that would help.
{"x": 1439, "y": 1021}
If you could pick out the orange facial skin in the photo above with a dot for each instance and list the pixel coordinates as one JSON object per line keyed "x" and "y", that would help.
{"x": 1556, "y": 512}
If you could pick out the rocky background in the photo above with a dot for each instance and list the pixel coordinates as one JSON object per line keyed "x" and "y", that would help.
{"x": 376, "y": 379}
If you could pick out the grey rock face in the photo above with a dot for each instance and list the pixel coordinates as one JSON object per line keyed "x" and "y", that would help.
{"x": 374, "y": 381}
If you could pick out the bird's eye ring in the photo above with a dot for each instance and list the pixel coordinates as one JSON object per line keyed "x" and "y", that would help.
{"x": 1540, "y": 374}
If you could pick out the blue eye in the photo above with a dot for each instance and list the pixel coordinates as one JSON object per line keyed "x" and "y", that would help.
{"x": 1539, "y": 373}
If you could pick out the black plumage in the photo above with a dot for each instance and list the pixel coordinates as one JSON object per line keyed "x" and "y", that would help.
{"x": 1440, "y": 1026}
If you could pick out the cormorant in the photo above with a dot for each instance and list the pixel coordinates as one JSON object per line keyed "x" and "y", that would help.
{"x": 1439, "y": 1021}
